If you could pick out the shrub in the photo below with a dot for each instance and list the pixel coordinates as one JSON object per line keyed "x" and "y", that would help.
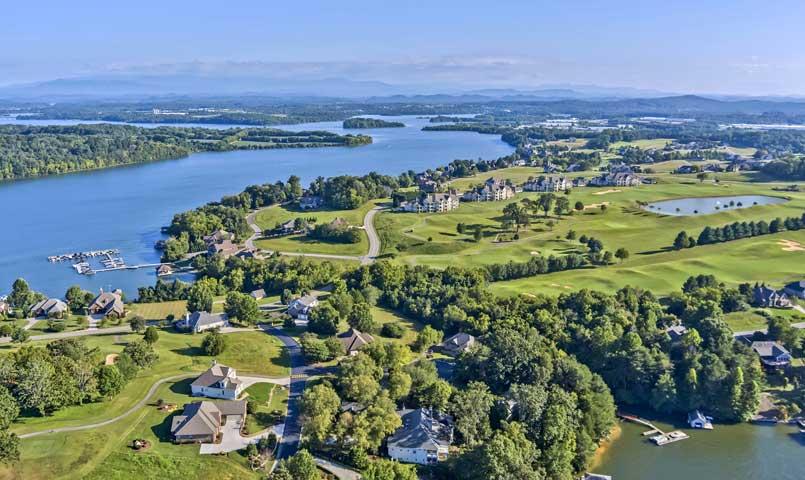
{"x": 392, "y": 330}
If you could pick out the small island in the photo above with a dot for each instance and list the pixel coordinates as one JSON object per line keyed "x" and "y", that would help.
{"x": 359, "y": 122}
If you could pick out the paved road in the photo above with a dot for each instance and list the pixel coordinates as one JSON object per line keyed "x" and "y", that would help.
{"x": 368, "y": 226}
{"x": 123, "y": 415}
{"x": 289, "y": 443}
{"x": 749, "y": 333}
{"x": 341, "y": 472}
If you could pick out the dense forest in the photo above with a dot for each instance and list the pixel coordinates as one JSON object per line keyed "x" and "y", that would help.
{"x": 32, "y": 151}
{"x": 359, "y": 122}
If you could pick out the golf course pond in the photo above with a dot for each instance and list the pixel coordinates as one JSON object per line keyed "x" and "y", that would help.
{"x": 706, "y": 205}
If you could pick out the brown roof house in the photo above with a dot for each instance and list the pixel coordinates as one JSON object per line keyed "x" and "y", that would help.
{"x": 50, "y": 307}
{"x": 108, "y": 304}
{"x": 201, "y": 422}
{"x": 353, "y": 340}
{"x": 219, "y": 381}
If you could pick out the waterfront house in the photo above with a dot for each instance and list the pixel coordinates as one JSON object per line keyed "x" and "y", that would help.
{"x": 218, "y": 236}
{"x": 258, "y": 294}
{"x": 197, "y": 322}
{"x": 301, "y": 307}
{"x": 432, "y": 203}
{"x": 424, "y": 437}
{"x": 696, "y": 419}
{"x": 108, "y": 304}
{"x": 219, "y": 381}
{"x": 50, "y": 307}
{"x": 201, "y": 422}
{"x": 353, "y": 340}
{"x": 225, "y": 248}
{"x": 772, "y": 354}
{"x": 310, "y": 202}
{"x": 796, "y": 289}
{"x": 763, "y": 296}
{"x": 164, "y": 269}
{"x": 458, "y": 343}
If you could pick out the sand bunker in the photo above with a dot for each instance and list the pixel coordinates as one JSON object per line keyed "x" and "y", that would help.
{"x": 606, "y": 191}
{"x": 595, "y": 205}
{"x": 791, "y": 246}
{"x": 110, "y": 359}
{"x": 556, "y": 285}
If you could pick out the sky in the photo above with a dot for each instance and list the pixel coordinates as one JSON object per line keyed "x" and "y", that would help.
{"x": 743, "y": 47}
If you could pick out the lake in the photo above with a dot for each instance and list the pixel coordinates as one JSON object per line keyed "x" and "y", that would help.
{"x": 742, "y": 451}
{"x": 125, "y": 207}
{"x": 706, "y": 205}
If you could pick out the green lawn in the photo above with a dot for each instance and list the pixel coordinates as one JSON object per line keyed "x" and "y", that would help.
{"x": 160, "y": 310}
{"x": 269, "y": 217}
{"x": 272, "y": 403}
{"x": 383, "y": 316}
{"x": 72, "y": 322}
{"x": 644, "y": 144}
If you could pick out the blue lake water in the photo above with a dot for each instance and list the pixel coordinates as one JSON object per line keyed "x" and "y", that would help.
{"x": 125, "y": 207}
{"x": 707, "y": 205}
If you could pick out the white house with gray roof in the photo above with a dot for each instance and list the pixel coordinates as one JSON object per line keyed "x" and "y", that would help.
{"x": 219, "y": 381}
{"x": 424, "y": 437}
{"x": 301, "y": 307}
{"x": 197, "y": 322}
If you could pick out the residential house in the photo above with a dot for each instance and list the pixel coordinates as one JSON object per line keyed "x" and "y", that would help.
{"x": 763, "y": 296}
{"x": 218, "y": 236}
{"x": 546, "y": 184}
{"x": 579, "y": 182}
{"x": 164, "y": 269}
{"x": 301, "y": 307}
{"x": 258, "y": 294}
{"x": 247, "y": 253}
{"x": 197, "y": 322}
{"x": 219, "y": 381}
{"x": 50, "y": 307}
{"x": 5, "y": 308}
{"x": 424, "y": 437}
{"x": 108, "y": 304}
{"x": 201, "y": 422}
{"x": 493, "y": 190}
{"x": 796, "y": 289}
{"x": 458, "y": 343}
{"x": 596, "y": 476}
{"x": 772, "y": 354}
{"x": 310, "y": 202}
{"x": 225, "y": 248}
{"x": 683, "y": 169}
{"x": 353, "y": 340}
{"x": 432, "y": 203}
{"x": 676, "y": 332}
{"x": 620, "y": 179}
{"x": 696, "y": 419}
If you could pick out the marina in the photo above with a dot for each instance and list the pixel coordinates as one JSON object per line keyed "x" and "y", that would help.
{"x": 81, "y": 256}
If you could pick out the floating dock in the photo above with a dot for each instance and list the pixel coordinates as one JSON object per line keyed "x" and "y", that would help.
{"x": 655, "y": 434}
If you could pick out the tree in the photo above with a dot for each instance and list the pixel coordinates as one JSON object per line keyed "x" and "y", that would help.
{"x": 137, "y": 323}
{"x": 214, "y": 343}
{"x": 200, "y": 297}
{"x": 320, "y": 404}
{"x": 509, "y": 454}
{"x": 360, "y": 318}
{"x": 399, "y": 384}
{"x": 545, "y": 202}
{"x": 571, "y": 235}
{"x": 436, "y": 395}
{"x": 472, "y": 408}
{"x": 141, "y": 353}
{"x": 376, "y": 422}
{"x": 9, "y": 447}
{"x": 622, "y": 254}
{"x": 77, "y": 299}
{"x": 681, "y": 241}
{"x": 9, "y": 410}
{"x": 478, "y": 234}
{"x": 35, "y": 390}
{"x": 359, "y": 378}
{"x": 243, "y": 307}
{"x": 558, "y": 434}
{"x": 664, "y": 394}
{"x": 110, "y": 380}
{"x": 20, "y": 335}
{"x": 562, "y": 206}
{"x": 301, "y": 466}
{"x": 701, "y": 176}
{"x": 383, "y": 469}
{"x": 578, "y": 206}
{"x": 324, "y": 320}
{"x": 151, "y": 335}
{"x": 426, "y": 338}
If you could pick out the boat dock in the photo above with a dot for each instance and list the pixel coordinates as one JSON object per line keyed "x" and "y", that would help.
{"x": 81, "y": 256}
{"x": 655, "y": 434}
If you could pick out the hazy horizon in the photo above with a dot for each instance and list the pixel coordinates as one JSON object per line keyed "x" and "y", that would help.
{"x": 687, "y": 47}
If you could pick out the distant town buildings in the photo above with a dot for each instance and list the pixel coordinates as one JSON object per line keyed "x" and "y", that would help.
{"x": 432, "y": 203}
{"x": 493, "y": 190}
{"x": 546, "y": 184}
{"x": 616, "y": 180}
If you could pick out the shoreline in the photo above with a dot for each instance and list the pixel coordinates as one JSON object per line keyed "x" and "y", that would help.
{"x": 614, "y": 434}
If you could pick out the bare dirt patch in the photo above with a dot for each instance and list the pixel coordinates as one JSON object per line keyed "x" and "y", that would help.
{"x": 604, "y": 192}
{"x": 556, "y": 285}
{"x": 791, "y": 246}
{"x": 110, "y": 359}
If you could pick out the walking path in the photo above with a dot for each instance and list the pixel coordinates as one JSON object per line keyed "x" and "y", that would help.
{"x": 368, "y": 226}
{"x": 75, "y": 333}
{"x": 341, "y": 472}
{"x": 123, "y": 415}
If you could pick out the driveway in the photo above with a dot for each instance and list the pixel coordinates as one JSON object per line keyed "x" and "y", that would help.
{"x": 249, "y": 381}
{"x": 231, "y": 438}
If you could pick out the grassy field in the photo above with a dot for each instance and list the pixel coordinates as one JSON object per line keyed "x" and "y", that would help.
{"x": 410, "y": 327}
{"x": 158, "y": 311}
{"x": 432, "y": 239}
{"x": 103, "y": 452}
{"x": 72, "y": 322}
{"x": 644, "y": 144}
{"x": 269, "y": 217}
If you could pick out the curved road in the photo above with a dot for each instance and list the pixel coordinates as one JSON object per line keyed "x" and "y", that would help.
{"x": 368, "y": 226}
